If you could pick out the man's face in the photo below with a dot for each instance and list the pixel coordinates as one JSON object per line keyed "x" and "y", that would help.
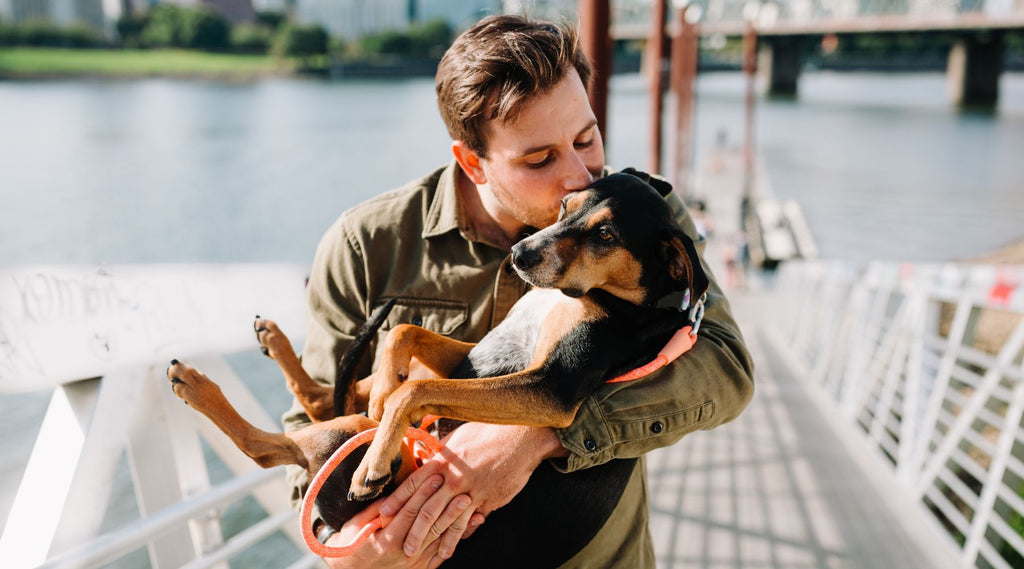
{"x": 552, "y": 148}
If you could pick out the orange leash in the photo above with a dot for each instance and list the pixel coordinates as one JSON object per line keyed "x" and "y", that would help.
{"x": 306, "y": 513}
{"x": 678, "y": 344}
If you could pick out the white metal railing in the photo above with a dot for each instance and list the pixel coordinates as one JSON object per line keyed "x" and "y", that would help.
{"x": 925, "y": 362}
{"x": 119, "y": 326}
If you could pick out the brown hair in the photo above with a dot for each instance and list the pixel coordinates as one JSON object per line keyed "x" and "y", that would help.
{"x": 494, "y": 67}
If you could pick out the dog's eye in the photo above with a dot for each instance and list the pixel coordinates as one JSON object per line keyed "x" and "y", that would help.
{"x": 605, "y": 235}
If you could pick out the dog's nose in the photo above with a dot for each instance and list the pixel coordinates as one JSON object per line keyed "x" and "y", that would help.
{"x": 525, "y": 258}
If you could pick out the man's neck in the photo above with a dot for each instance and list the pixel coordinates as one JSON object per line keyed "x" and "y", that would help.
{"x": 487, "y": 227}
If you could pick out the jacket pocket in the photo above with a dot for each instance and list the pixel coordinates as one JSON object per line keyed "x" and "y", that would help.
{"x": 442, "y": 316}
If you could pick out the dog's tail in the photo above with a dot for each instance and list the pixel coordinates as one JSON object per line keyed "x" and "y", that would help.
{"x": 349, "y": 364}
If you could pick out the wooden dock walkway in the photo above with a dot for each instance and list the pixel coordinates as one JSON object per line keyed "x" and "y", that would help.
{"x": 778, "y": 488}
{"x": 781, "y": 487}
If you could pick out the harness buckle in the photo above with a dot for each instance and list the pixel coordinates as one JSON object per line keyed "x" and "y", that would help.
{"x": 696, "y": 311}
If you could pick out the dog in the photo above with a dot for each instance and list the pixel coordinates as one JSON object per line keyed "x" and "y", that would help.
{"x": 600, "y": 274}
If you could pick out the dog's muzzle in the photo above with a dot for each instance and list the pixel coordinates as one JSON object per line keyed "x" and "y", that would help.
{"x": 524, "y": 257}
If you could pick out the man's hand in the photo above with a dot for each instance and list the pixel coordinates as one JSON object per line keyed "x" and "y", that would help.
{"x": 490, "y": 463}
{"x": 384, "y": 548}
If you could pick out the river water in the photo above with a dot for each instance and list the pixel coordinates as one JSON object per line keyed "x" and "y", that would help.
{"x": 188, "y": 171}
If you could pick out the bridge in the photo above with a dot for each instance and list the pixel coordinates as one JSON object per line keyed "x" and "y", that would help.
{"x": 787, "y": 31}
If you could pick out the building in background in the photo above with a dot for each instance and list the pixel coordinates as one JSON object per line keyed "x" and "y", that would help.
{"x": 102, "y": 15}
{"x": 460, "y": 14}
{"x": 554, "y": 10}
{"x": 60, "y": 12}
{"x": 350, "y": 19}
{"x": 234, "y": 11}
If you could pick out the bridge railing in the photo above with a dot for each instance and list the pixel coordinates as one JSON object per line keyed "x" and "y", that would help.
{"x": 925, "y": 363}
{"x": 100, "y": 339}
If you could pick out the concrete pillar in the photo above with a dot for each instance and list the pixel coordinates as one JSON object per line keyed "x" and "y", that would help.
{"x": 973, "y": 69}
{"x": 778, "y": 65}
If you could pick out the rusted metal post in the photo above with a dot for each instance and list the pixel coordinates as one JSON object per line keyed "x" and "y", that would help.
{"x": 596, "y": 41}
{"x": 683, "y": 73}
{"x": 656, "y": 44}
{"x": 750, "y": 72}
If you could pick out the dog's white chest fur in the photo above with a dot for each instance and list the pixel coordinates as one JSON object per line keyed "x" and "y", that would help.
{"x": 509, "y": 347}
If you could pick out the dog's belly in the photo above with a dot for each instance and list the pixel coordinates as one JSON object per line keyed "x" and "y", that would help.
{"x": 509, "y": 347}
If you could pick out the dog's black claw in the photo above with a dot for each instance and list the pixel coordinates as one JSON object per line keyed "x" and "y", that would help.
{"x": 174, "y": 362}
{"x": 265, "y": 351}
{"x": 175, "y": 381}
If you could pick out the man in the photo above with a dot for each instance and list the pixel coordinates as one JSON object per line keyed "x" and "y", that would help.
{"x": 513, "y": 96}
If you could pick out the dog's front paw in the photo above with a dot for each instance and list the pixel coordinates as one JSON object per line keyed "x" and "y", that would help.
{"x": 368, "y": 482}
{"x": 191, "y": 385}
{"x": 273, "y": 342}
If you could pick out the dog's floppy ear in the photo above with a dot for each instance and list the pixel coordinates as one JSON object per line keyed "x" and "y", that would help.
{"x": 664, "y": 188}
{"x": 682, "y": 262}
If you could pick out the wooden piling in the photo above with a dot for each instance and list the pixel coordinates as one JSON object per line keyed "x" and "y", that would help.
{"x": 683, "y": 74}
{"x": 749, "y": 71}
{"x": 655, "y": 54}
{"x": 596, "y": 41}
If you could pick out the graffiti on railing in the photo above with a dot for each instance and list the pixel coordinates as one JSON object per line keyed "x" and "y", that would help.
{"x": 60, "y": 324}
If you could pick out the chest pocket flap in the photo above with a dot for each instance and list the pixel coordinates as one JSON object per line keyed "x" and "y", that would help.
{"x": 442, "y": 316}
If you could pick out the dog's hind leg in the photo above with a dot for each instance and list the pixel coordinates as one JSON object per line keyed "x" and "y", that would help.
{"x": 316, "y": 399}
{"x": 205, "y": 396}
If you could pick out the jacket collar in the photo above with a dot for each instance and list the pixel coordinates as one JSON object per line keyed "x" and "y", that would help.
{"x": 446, "y": 212}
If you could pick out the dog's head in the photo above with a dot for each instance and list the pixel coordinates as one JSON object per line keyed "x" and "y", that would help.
{"x": 617, "y": 235}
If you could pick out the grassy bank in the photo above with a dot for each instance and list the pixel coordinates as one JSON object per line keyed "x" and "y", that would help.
{"x": 49, "y": 62}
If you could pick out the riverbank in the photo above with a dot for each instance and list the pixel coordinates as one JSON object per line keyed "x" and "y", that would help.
{"x": 44, "y": 63}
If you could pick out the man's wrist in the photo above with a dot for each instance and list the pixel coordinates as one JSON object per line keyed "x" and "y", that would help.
{"x": 552, "y": 444}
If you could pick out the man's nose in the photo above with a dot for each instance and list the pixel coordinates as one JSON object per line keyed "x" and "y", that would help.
{"x": 576, "y": 175}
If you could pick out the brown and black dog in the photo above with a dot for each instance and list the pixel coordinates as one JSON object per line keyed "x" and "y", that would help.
{"x": 601, "y": 276}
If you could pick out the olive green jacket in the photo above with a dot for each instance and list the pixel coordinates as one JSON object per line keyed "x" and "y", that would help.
{"x": 416, "y": 244}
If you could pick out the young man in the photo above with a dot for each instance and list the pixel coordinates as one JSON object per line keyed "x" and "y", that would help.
{"x": 513, "y": 95}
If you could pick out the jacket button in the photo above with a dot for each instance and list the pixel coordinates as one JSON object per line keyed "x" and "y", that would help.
{"x": 590, "y": 445}
{"x": 417, "y": 321}
{"x": 657, "y": 427}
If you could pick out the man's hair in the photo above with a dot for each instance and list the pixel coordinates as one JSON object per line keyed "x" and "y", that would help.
{"x": 494, "y": 67}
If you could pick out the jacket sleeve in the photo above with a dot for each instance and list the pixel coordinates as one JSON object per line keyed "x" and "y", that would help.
{"x": 336, "y": 300}
{"x": 706, "y": 387}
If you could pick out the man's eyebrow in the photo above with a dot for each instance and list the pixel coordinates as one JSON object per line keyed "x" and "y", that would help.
{"x": 536, "y": 149}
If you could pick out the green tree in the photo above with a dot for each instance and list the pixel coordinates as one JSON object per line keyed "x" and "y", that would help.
{"x": 428, "y": 39}
{"x": 252, "y": 38}
{"x": 294, "y": 40}
{"x": 271, "y": 20}
{"x": 203, "y": 28}
{"x": 129, "y": 29}
{"x": 163, "y": 28}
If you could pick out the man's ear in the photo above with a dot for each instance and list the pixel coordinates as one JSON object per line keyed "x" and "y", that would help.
{"x": 470, "y": 162}
{"x": 664, "y": 188}
{"x": 682, "y": 262}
